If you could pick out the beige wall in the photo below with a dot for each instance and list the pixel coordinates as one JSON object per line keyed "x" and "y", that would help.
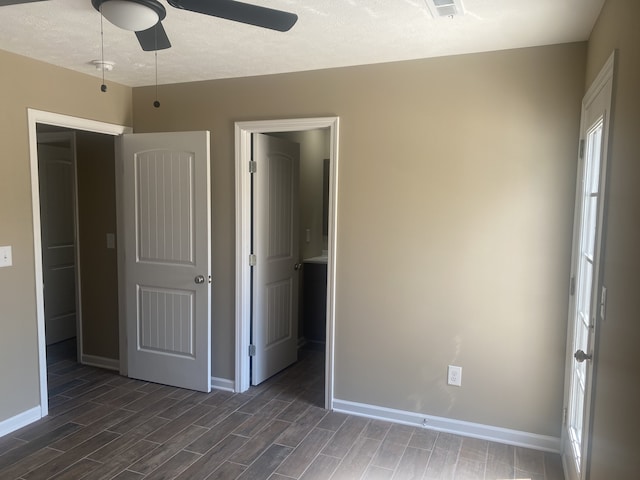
{"x": 25, "y": 83}
{"x": 98, "y": 264}
{"x": 616, "y": 420}
{"x": 455, "y": 210}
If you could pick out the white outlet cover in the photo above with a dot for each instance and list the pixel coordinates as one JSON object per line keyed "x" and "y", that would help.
{"x": 454, "y": 376}
{"x": 5, "y": 256}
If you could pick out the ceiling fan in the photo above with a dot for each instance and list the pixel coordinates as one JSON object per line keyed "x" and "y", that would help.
{"x": 144, "y": 17}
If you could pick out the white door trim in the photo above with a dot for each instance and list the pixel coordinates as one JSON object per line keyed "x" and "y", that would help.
{"x": 604, "y": 80}
{"x": 33, "y": 118}
{"x": 243, "y": 131}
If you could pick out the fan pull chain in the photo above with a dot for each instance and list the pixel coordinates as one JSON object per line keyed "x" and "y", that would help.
{"x": 103, "y": 87}
{"x": 156, "y": 103}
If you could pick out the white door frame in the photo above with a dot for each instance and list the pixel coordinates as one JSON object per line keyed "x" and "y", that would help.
{"x": 603, "y": 82}
{"x": 75, "y": 123}
{"x": 243, "y": 132}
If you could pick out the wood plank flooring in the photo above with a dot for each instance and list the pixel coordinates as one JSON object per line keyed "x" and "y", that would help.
{"x": 103, "y": 426}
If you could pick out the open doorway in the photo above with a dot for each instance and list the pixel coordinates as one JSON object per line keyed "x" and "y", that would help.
{"x": 296, "y": 129}
{"x": 78, "y": 223}
{"x": 313, "y": 199}
{"x": 46, "y": 121}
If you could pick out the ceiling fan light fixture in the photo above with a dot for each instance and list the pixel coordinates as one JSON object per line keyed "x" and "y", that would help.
{"x": 133, "y": 15}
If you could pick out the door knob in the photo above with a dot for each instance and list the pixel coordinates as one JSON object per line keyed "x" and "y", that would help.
{"x": 580, "y": 356}
{"x": 199, "y": 279}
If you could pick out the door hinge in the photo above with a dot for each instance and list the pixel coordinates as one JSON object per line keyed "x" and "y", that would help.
{"x": 572, "y": 286}
{"x": 252, "y": 350}
{"x": 252, "y": 260}
{"x": 253, "y": 167}
{"x": 581, "y": 149}
{"x": 564, "y": 416}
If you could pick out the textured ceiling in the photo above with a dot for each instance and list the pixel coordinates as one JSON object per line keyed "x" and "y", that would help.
{"x": 329, "y": 33}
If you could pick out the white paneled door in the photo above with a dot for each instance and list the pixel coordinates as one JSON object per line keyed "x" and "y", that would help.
{"x": 276, "y": 249}
{"x": 57, "y": 214}
{"x": 165, "y": 250}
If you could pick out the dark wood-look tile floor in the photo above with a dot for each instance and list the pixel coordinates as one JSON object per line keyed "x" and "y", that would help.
{"x": 104, "y": 426}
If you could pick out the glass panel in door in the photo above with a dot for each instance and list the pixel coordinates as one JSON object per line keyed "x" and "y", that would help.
{"x": 584, "y": 317}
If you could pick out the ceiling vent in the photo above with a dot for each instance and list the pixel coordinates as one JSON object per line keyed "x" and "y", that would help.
{"x": 445, "y": 8}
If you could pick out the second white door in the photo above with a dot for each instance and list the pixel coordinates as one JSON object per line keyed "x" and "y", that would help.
{"x": 276, "y": 249}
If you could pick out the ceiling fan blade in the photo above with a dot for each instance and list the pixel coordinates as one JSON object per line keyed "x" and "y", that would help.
{"x": 4, "y": 3}
{"x": 154, "y": 38}
{"x": 240, "y": 12}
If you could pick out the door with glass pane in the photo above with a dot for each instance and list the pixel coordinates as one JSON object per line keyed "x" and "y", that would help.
{"x": 587, "y": 293}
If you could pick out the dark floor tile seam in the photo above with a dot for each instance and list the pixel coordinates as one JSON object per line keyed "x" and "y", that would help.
{"x": 125, "y": 408}
{"x": 306, "y": 468}
{"x": 346, "y": 458}
{"x": 68, "y": 434}
{"x": 404, "y": 450}
{"x": 327, "y": 429}
{"x": 62, "y": 369}
{"x": 455, "y": 465}
{"x": 158, "y": 444}
{"x": 186, "y": 448}
{"x": 484, "y": 472}
{"x": 411, "y": 437}
{"x": 311, "y": 429}
{"x": 246, "y": 467}
{"x": 426, "y": 468}
{"x": 60, "y": 395}
{"x": 8, "y": 438}
{"x": 331, "y": 456}
{"x": 55, "y": 449}
{"x": 416, "y": 447}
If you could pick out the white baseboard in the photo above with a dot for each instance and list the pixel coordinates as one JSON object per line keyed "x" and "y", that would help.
{"x": 101, "y": 362}
{"x": 18, "y": 421}
{"x": 449, "y": 425}
{"x": 223, "y": 384}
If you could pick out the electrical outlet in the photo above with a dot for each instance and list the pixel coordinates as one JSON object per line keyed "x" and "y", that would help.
{"x": 5, "y": 257}
{"x": 454, "y": 376}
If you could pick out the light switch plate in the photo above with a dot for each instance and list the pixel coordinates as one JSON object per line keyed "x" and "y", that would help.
{"x": 5, "y": 256}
